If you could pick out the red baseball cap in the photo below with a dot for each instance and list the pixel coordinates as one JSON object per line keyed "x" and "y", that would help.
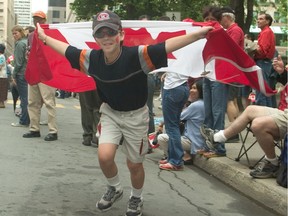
{"x": 40, "y": 14}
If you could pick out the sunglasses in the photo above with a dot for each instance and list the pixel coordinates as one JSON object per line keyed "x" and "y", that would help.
{"x": 108, "y": 32}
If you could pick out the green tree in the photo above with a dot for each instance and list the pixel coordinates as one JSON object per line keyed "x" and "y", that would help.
{"x": 132, "y": 9}
{"x": 242, "y": 19}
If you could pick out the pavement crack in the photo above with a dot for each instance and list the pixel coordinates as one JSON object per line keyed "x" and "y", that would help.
{"x": 199, "y": 208}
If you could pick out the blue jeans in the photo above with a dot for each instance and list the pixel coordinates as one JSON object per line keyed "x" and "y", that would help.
{"x": 261, "y": 99}
{"x": 22, "y": 87}
{"x": 151, "y": 88}
{"x": 215, "y": 104}
{"x": 173, "y": 101}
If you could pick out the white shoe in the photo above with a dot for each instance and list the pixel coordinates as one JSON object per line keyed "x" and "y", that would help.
{"x": 18, "y": 125}
{"x": 43, "y": 122}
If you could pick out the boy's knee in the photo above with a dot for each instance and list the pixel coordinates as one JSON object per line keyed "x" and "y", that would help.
{"x": 134, "y": 166}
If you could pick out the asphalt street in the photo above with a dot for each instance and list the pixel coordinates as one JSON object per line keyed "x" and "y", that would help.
{"x": 63, "y": 178}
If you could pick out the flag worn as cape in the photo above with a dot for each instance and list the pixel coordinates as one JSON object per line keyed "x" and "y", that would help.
{"x": 219, "y": 54}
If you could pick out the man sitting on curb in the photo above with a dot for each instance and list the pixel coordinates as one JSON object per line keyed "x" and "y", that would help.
{"x": 267, "y": 124}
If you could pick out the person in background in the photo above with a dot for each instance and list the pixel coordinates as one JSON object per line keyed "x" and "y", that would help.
{"x": 18, "y": 76}
{"x": 264, "y": 54}
{"x": 278, "y": 66}
{"x": 64, "y": 94}
{"x": 40, "y": 94}
{"x": 121, "y": 76}
{"x": 151, "y": 89}
{"x": 29, "y": 30}
{"x": 160, "y": 77}
{"x": 174, "y": 96}
{"x": 226, "y": 17}
{"x": 249, "y": 47}
{"x": 4, "y": 84}
{"x": 90, "y": 105}
{"x": 193, "y": 116}
{"x": 267, "y": 124}
{"x": 13, "y": 87}
{"x": 215, "y": 98}
{"x": 144, "y": 17}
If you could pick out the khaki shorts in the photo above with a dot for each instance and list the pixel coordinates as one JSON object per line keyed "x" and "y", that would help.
{"x": 280, "y": 117}
{"x": 132, "y": 125}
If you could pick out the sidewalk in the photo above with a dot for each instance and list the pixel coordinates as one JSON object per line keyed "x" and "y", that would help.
{"x": 236, "y": 174}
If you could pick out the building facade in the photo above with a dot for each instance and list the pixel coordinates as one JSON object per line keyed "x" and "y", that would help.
{"x": 70, "y": 15}
{"x": 22, "y": 9}
{"x": 56, "y": 11}
{"x": 7, "y": 21}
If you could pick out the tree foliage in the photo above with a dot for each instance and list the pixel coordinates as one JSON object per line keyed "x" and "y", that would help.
{"x": 244, "y": 13}
{"x": 132, "y": 9}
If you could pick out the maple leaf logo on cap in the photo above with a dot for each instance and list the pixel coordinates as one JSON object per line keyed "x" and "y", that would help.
{"x": 103, "y": 16}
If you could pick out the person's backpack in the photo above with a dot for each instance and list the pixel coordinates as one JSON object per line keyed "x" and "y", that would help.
{"x": 282, "y": 172}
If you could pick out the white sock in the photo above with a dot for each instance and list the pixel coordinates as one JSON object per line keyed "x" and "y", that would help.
{"x": 219, "y": 137}
{"x": 274, "y": 161}
{"x": 136, "y": 192}
{"x": 115, "y": 182}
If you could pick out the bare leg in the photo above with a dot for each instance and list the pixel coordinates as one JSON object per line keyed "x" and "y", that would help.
{"x": 106, "y": 155}
{"x": 232, "y": 110}
{"x": 137, "y": 174}
{"x": 240, "y": 123}
{"x": 266, "y": 131}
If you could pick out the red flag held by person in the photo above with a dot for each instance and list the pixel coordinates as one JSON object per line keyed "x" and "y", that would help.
{"x": 232, "y": 63}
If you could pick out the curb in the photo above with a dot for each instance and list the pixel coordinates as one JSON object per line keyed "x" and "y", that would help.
{"x": 264, "y": 191}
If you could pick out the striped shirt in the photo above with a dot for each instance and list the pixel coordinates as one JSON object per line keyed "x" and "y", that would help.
{"x": 123, "y": 83}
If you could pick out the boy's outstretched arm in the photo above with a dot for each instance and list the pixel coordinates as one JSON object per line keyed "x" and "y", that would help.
{"x": 176, "y": 43}
{"x": 56, "y": 45}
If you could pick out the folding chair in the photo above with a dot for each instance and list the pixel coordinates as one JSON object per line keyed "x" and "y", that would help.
{"x": 245, "y": 147}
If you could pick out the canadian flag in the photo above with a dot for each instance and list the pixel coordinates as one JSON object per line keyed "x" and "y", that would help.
{"x": 217, "y": 57}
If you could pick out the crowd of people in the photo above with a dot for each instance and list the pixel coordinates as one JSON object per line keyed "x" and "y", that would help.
{"x": 122, "y": 105}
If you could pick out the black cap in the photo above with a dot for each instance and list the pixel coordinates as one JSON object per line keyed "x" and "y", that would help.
{"x": 107, "y": 19}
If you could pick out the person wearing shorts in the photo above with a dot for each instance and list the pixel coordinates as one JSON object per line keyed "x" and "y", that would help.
{"x": 267, "y": 124}
{"x": 120, "y": 73}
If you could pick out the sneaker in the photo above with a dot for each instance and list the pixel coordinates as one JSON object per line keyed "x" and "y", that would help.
{"x": 208, "y": 135}
{"x": 107, "y": 200}
{"x": 135, "y": 205}
{"x": 265, "y": 169}
{"x": 18, "y": 125}
{"x": 87, "y": 141}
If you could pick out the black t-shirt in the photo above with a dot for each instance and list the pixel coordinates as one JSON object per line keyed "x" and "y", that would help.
{"x": 122, "y": 84}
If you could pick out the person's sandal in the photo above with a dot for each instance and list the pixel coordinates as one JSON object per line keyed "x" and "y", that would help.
{"x": 170, "y": 167}
{"x": 213, "y": 154}
{"x": 201, "y": 151}
{"x": 164, "y": 161}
